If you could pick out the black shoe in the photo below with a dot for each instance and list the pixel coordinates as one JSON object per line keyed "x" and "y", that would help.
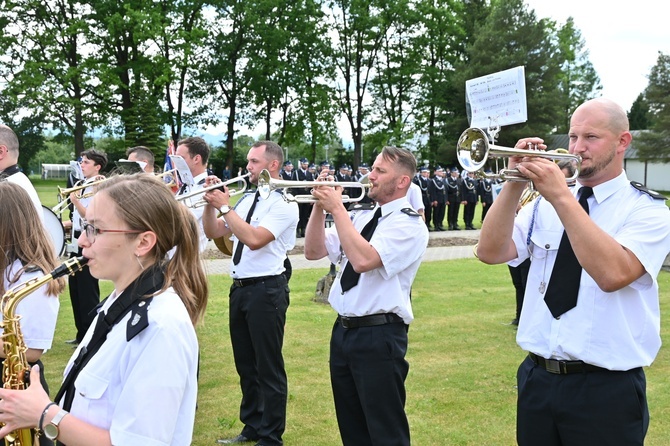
{"x": 457, "y": 228}
{"x": 471, "y": 228}
{"x": 239, "y": 439}
{"x": 72, "y": 342}
{"x": 515, "y": 321}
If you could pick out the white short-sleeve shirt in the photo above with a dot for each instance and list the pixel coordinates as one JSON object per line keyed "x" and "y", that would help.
{"x": 38, "y": 310}
{"x": 618, "y": 330}
{"x": 144, "y": 390}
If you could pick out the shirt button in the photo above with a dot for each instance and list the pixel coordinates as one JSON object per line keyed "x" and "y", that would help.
{"x": 547, "y": 246}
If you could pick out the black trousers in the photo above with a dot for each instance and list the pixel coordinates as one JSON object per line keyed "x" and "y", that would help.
{"x": 257, "y": 319}
{"x": 84, "y": 296}
{"x": 469, "y": 213}
{"x": 485, "y": 209}
{"x": 452, "y": 217}
{"x": 367, "y": 372}
{"x": 519, "y": 275}
{"x": 596, "y": 408}
{"x": 304, "y": 211}
{"x": 428, "y": 208}
{"x": 438, "y": 215}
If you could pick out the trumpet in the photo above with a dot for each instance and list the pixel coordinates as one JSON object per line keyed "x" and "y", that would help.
{"x": 266, "y": 184}
{"x": 473, "y": 149}
{"x": 232, "y": 192}
{"x": 64, "y": 194}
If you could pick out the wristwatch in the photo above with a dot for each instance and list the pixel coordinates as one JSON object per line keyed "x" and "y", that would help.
{"x": 225, "y": 209}
{"x": 51, "y": 430}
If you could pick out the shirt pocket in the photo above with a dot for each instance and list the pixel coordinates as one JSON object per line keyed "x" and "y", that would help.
{"x": 92, "y": 398}
{"x": 544, "y": 243}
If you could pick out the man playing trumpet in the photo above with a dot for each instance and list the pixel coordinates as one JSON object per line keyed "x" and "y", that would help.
{"x": 371, "y": 296}
{"x": 590, "y": 317}
{"x": 264, "y": 230}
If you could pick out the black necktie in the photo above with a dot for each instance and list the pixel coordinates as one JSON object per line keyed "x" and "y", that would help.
{"x": 238, "y": 251}
{"x": 564, "y": 282}
{"x": 350, "y": 277}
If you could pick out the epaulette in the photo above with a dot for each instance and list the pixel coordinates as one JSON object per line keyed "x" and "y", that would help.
{"x": 411, "y": 212}
{"x": 652, "y": 193}
{"x": 139, "y": 318}
{"x": 361, "y": 206}
{"x": 32, "y": 269}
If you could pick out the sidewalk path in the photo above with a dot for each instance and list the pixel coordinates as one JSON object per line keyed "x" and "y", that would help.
{"x": 433, "y": 254}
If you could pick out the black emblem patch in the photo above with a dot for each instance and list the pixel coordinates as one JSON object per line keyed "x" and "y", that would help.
{"x": 139, "y": 319}
{"x": 652, "y": 193}
{"x": 411, "y": 212}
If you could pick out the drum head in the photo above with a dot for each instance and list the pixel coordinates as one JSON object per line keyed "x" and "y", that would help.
{"x": 55, "y": 229}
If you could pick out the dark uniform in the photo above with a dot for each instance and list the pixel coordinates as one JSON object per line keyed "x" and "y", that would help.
{"x": 304, "y": 208}
{"x": 454, "y": 197}
{"x": 470, "y": 197}
{"x": 485, "y": 190}
{"x": 438, "y": 198}
{"x": 424, "y": 185}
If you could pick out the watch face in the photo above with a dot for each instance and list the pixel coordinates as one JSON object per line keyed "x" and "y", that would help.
{"x": 51, "y": 431}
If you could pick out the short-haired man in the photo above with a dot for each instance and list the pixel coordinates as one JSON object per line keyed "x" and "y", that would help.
{"x": 590, "y": 318}
{"x": 195, "y": 152}
{"x": 371, "y": 295}
{"x": 264, "y": 231}
{"x": 84, "y": 288}
{"x": 9, "y": 168}
{"x": 142, "y": 156}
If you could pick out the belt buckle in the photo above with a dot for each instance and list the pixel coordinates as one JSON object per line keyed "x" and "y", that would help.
{"x": 553, "y": 366}
{"x": 344, "y": 322}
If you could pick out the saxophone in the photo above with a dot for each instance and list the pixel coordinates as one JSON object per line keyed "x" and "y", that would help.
{"x": 16, "y": 370}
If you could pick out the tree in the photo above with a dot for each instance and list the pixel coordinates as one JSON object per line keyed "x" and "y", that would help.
{"x": 638, "y": 116}
{"x": 513, "y": 36}
{"x": 360, "y": 28}
{"x": 578, "y": 79}
{"x": 655, "y": 145}
{"x": 45, "y": 64}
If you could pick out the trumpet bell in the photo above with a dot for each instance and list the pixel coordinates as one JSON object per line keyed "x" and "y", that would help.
{"x": 473, "y": 149}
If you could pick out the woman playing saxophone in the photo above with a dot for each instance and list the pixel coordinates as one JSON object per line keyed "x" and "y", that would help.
{"x": 133, "y": 378}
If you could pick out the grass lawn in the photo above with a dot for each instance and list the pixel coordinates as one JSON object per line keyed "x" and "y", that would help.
{"x": 462, "y": 354}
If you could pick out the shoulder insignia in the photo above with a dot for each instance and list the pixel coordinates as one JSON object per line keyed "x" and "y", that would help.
{"x": 361, "y": 207}
{"x": 652, "y": 193}
{"x": 411, "y": 212}
{"x": 139, "y": 318}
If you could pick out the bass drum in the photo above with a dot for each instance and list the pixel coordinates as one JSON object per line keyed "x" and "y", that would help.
{"x": 55, "y": 229}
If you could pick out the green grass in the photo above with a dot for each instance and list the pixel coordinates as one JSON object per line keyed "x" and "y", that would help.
{"x": 462, "y": 354}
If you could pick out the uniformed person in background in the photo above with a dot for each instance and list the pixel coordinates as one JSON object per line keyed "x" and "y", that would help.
{"x": 485, "y": 191}
{"x": 438, "y": 198}
{"x": 454, "y": 185}
{"x": 470, "y": 198}
{"x": 423, "y": 181}
{"x": 305, "y": 209}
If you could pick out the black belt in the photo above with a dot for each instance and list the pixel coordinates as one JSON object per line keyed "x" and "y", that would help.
{"x": 253, "y": 280}
{"x": 561, "y": 367}
{"x": 370, "y": 320}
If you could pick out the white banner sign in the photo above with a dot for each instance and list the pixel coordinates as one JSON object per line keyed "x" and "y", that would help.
{"x": 497, "y": 99}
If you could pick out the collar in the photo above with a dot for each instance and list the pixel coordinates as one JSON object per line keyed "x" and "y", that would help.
{"x": 200, "y": 177}
{"x": 394, "y": 205}
{"x": 603, "y": 191}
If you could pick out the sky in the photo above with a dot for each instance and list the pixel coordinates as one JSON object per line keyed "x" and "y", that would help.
{"x": 623, "y": 39}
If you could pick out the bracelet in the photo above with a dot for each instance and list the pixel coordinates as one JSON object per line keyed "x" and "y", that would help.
{"x": 44, "y": 414}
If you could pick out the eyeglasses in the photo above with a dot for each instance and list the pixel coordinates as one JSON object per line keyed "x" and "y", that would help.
{"x": 91, "y": 231}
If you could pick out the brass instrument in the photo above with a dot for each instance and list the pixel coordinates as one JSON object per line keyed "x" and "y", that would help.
{"x": 232, "y": 192}
{"x": 266, "y": 184}
{"x": 15, "y": 369}
{"x": 473, "y": 149}
{"x": 64, "y": 194}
